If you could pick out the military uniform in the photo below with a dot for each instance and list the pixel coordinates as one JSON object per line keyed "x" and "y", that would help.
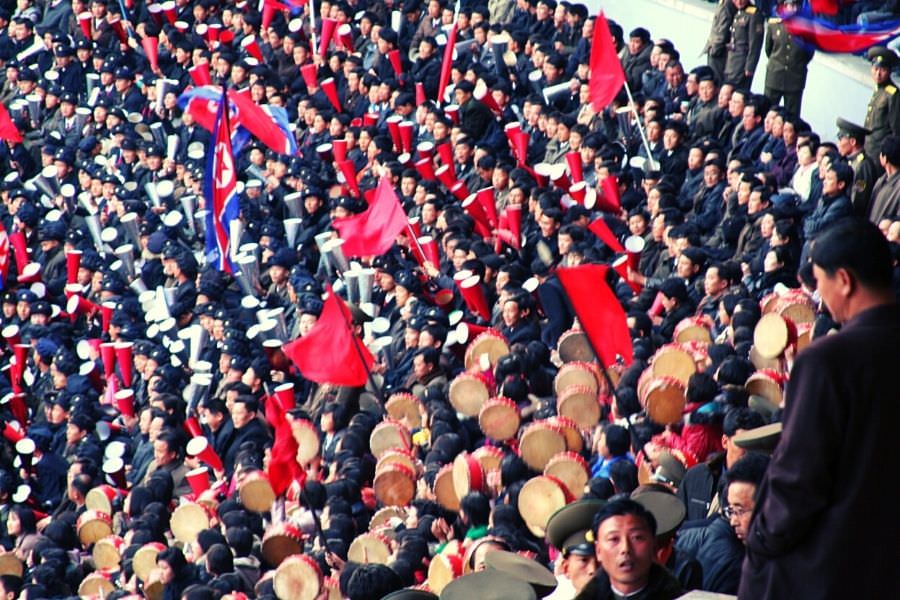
{"x": 883, "y": 114}
{"x": 787, "y": 68}
{"x": 720, "y": 37}
{"x": 746, "y": 44}
{"x": 885, "y": 198}
{"x": 865, "y": 174}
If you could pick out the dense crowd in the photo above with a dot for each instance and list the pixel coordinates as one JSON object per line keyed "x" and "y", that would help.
{"x": 158, "y": 438}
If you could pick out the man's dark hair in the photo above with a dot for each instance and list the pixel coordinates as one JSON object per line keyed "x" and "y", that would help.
{"x": 219, "y": 560}
{"x": 249, "y": 402}
{"x": 859, "y": 247}
{"x": 372, "y": 581}
{"x": 617, "y": 440}
{"x": 890, "y": 148}
{"x": 621, "y": 508}
{"x": 741, "y": 418}
{"x": 749, "y": 469}
{"x": 477, "y": 508}
{"x": 429, "y": 355}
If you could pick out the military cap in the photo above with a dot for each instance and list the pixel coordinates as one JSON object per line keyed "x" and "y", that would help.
{"x": 28, "y": 75}
{"x": 666, "y": 508}
{"x": 63, "y": 50}
{"x": 569, "y": 527}
{"x": 882, "y": 57}
{"x": 52, "y": 230}
{"x": 539, "y": 577}
{"x": 408, "y": 280}
{"x": 10, "y": 298}
{"x": 84, "y": 44}
{"x": 488, "y": 585}
{"x": 41, "y": 307}
{"x": 846, "y": 128}
{"x": 123, "y": 73}
{"x": 26, "y": 296}
{"x": 410, "y": 594}
{"x": 762, "y": 439}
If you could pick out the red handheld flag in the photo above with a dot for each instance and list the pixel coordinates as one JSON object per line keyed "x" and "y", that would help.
{"x": 374, "y": 231}
{"x": 607, "y": 76}
{"x": 329, "y": 353}
{"x": 599, "y": 312}
{"x": 8, "y": 129}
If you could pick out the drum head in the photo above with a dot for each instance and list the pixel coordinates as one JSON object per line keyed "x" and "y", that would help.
{"x": 396, "y": 457}
{"x": 307, "y": 440}
{"x": 106, "y": 553}
{"x": 771, "y": 336}
{"x": 539, "y": 498}
{"x": 395, "y": 485}
{"x": 383, "y": 516}
{"x": 386, "y": 435}
{"x": 693, "y": 332}
{"x": 576, "y": 373}
{"x": 257, "y": 494}
{"x": 442, "y": 570}
{"x": 369, "y": 548}
{"x": 405, "y": 407}
{"x": 297, "y": 578}
{"x": 539, "y": 443}
{"x": 443, "y": 489}
{"x": 468, "y": 393}
{"x": 96, "y": 499}
{"x": 664, "y": 400}
{"x": 154, "y": 591}
{"x": 579, "y": 403}
{"x": 489, "y": 342}
{"x": 10, "y": 564}
{"x": 490, "y": 457}
{"x": 145, "y": 560}
{"x": 97, "y": 585}
{"x": 278, "y": 544}
{"x": 674, "y": 361}
{"x": 468, "y": 476}
{"x": 571, "y": 470}
{"x": 570, "y": 431}
{"x": 761, "y": 384}
{"x": 574, "y": 346}
{"x": 499, "y": 419}
{"x": 187, "y": 521}
{"x": 798, "y": 309}
{"x": 93, "y": 529}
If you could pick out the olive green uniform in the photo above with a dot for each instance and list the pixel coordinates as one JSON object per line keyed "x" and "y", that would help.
{"x": 787, "y": 68}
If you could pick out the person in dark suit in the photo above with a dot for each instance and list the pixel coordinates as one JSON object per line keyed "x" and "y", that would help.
{"x": 247, "y": 428}
{"x": 475, "y": 118}
{"x": 840, "y": 417}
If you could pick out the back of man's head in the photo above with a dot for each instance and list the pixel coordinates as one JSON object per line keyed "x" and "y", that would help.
{"x": 860, "y": 248}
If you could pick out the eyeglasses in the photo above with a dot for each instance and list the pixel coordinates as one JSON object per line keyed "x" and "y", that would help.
{"x": 735, "y": 511}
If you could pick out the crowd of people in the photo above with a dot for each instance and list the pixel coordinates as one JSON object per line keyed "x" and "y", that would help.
{"x": 159, "y": 441}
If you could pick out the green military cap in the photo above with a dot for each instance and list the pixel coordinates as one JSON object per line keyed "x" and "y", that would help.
{"x": 882, "y": 57}
{"x": 670, "y": 469}
{"x": 410, "y": 594}
{"x": 762, "y": 439}
{"x": 569, "y": 527}
{"x": 488, "y": 585}
{"x": 846, "y": 128}
{"x": 665, "y": 507}
{"x": 522, "y": 569}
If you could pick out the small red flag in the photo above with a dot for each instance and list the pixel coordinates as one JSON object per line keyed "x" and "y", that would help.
{"x": 329, "y": 353}
{"x": 607, "y": 76}
{"x": 373, "y": 231}
{"x": 8, "y": 129}
{"x": 283, "y": 466}
{"x": 599, "y": 312}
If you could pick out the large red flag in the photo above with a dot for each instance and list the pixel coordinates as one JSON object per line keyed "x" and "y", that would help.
{"x": 329, "y": 353}
{"x": 373, "y": 231}
{"x": 283, "y": 466}
{"x": 599, "y": 312}
{"x": 607, "y": 76}
{"x": 8, "y": 129}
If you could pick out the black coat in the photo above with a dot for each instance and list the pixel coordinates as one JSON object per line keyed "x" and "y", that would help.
{"x": 661, "y": 586}
{"x": 718, "y": 551}
{"x": 829, "y": 471}
{"x": 255, "y": 432}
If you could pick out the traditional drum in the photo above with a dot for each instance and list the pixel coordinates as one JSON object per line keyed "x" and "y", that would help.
{"x": 389, "y": 434}
{"x": 397, "y": 456}
{"x": 307, "y": 440}
{"x": 468, "y": 475}
{"x": 406, "y": 407}
{"x": 371, "y": 548}
{"x": 298, "y": 577}
{"x": 539, "y": 498}
{"x": 579, "y": 403}
{"x": 490, "y": 457}
{"x": 767, "y": 383}
{"x": 395, "y": 485}
{"x": 154, "y": 591}
{"x": 101, "y": 498}
{"x": 333, "y": 588}
{"x": 773, "y": 335}
{"x": 673, "y": 360}
{"x": 663, "y": 399}
{"x": 280, "y": 541}
{"x": 571, "y": 469}
{"x": 693, "y": 329}
{"x": 769, "y": 303}
{"x": 570, "y": 431}
{"x": 93, "y": 526}
{"x": 10, "y": 564}
{"x": 489, "y": 342}
{"x": 383, "y": 517}
{"x": 188, "y": 520}
{"x": 95, "y": 585}
{"x": 577, "y": 373}
{"x": 256, "y": 492}
{"x": 443, "y": 569}
{"x": 573, "y": 346}
{"x": 468, "y": 393}
{"x": 107, "y": 553}
{"x": 443, "y": 489}
{"x": 499, "y": 419}
{"x": 145, "y": 559}
{"x": 539, "y": 442}
{"x": 796, "y": 306}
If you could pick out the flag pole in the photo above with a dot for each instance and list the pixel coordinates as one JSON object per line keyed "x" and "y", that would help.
{"x": 312, "y": 26}
{"x": 359, "y": 353}
{"x": 637, "y": 118}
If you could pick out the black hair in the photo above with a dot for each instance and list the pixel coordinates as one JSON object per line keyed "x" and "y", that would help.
{"x": 748, "y": 469}
{"x": 477, "y": 508}
{"x": 741, "y": 418}
{"x": 859, "y": 247}
{"x": 617, "y": 440}
{"x": 621, "y": 508}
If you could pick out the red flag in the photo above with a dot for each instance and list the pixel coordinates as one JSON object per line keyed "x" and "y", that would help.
{"x": 373, "y": 232}
{"x": 599, "y": 312}
{"x": 447, "y": 65}
{"x": 599, "y": 228}
{"x": 825, "y": 7}
{"x": 4, "y": 256}
{"x": 607, "y": 76}
{"x": 283, "y": 466}
{"x": 329, "y": 353}
{"x": 8, "y": 129}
